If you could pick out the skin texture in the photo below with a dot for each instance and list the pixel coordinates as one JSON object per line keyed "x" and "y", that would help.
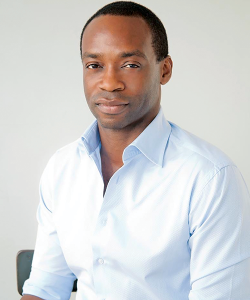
{"x": 30, "y": 297}
{"x": 122, "y": 82}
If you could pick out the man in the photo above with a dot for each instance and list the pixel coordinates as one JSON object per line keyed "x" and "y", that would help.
{"x": 138, "y": 208}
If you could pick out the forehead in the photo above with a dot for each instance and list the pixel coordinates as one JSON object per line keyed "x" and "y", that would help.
{"x": 120, "y": 33}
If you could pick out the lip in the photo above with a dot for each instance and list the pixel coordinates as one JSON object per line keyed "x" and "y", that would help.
{"x": 112, "y": 107}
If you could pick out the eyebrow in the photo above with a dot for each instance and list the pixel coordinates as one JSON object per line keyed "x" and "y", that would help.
{"x": 123, "y": 54}
{"x": 133, "y": 53}
{"x": 91, "y": 55}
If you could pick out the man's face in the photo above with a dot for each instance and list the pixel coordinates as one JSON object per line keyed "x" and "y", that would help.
{"x": 120, "y": 73}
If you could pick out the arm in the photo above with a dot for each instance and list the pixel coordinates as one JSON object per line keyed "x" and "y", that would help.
{"x": 219, "y": 238}
{"x": 30, "y": 297}
{"x": 50, "y": 276}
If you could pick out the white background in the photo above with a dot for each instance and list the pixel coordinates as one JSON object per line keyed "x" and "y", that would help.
{"x": 42, "y": 105}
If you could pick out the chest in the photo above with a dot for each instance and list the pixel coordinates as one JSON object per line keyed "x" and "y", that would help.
{"x": 143, "y": 213}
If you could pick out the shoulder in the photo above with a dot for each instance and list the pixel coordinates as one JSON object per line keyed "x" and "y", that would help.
{"x": 70, "y": 150}
{"x": 197, "y": 149}
{"x": 65, "y": 156}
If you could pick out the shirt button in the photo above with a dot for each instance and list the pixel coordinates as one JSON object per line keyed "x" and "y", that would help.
{"x": 104, "y": 222}
{"x": 100, "y": 261}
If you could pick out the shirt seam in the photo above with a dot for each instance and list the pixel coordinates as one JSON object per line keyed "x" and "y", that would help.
{"x": 231, "y": 284}
{"x": 218, "y": 165}
{"x": 218, "y": 171}
{"x": 52, "y": 273}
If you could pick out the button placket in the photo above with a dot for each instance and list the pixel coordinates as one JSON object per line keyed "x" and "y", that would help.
{"x": 104, "y": 221}
{"x": 100, "y": 261}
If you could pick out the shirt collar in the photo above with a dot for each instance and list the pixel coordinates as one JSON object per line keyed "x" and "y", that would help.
{"x": 91, "y": 138}
{"x": 151, "y": 142}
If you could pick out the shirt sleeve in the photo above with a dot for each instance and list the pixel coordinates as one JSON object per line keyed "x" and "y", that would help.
{"x": 219, "y": 241}
{"x": 50, "y": 277}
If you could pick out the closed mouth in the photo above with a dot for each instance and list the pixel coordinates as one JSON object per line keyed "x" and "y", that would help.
{"x": 113, "y": 102}
{"x": 111, "y": 107}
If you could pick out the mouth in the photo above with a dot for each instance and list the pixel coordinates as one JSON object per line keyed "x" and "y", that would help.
{"x": 112, "y": 107}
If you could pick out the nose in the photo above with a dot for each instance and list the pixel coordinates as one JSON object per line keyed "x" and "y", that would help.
{"x": 110, "y": 81}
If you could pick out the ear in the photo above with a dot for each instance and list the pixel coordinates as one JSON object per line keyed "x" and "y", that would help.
{"x": 166, "y": 70}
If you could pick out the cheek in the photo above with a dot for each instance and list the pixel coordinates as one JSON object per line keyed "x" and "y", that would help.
{"x": 137, "y": 83}
{"x": 89, "y": 86}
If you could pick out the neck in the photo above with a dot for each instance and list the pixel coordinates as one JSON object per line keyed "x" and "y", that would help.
{"x": 113, "y": 145}
{"x": 114, "y": 142}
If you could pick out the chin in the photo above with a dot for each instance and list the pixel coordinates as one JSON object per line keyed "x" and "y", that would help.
{"x": 125, "y": 125}
{"x": 113, "y": 122}
{"x": 111, "y": 125}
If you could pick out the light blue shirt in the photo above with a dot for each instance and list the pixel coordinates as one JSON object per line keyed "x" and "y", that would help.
{"x": 174, "y": 222}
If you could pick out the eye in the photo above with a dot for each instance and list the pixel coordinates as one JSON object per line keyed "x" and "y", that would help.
{"x": 93, "y": 66}
{"x": 133, "y": 66}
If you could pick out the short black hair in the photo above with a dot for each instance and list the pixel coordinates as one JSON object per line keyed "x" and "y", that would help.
{"x": 129, "y": 8}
